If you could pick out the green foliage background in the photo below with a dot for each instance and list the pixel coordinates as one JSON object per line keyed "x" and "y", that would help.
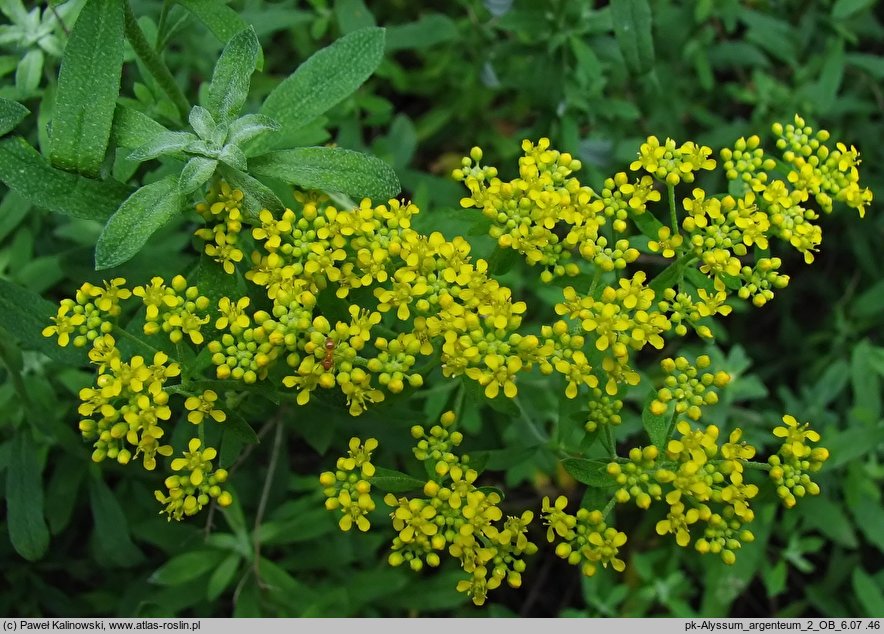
{"x": 454, "y": 75}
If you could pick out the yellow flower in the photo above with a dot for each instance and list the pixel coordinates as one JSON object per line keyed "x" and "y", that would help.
{"x": 233, "y": 314}
{"x": 795, "y": 435}
{"x": 202, "y": 406}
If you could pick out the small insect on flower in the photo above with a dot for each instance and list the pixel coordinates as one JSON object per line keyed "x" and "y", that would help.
{"x": 329, "y": 360}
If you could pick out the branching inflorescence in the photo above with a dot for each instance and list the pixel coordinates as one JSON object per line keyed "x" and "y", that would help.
{"x": 414, "y": 301}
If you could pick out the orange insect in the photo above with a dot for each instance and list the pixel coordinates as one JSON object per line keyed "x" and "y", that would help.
{"x": 329, "y": 360}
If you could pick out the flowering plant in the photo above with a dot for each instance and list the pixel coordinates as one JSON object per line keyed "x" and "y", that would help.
{"x": 316, "y": 304}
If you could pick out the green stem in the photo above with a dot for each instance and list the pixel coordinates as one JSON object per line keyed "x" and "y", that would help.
{"x": 669, "y": 430}
{"x": 543, "y": 438}
{"x": 154, "y": 63}
{"x": 609, "y": 507}
{"x": 596, "y": 278}
{"x": 673, "y": 215}
{"x": 265, "y": 495}
{"x": 759, "y": 466}
{"x": 612, "y": 445}
{"x": 457, "y": 406}
{"x": 161, "y": 25}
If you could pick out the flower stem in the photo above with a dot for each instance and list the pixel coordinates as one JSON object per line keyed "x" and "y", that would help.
{"x": 154, "y": 63}
{"x": 612, "y": 444}
{"x": 759, "y": 466}
{"x": 673, "y": 215}
{"x": 609, "y": 507}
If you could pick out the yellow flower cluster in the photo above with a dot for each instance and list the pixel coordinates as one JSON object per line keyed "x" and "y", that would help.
{"x": 355, "y": 300}
{"x": 176, "y": 310}
{"x": 124, "y": 412}
{"x": 792, "y": 465}
{"x": 586, "y": 540}
{"x": 199, "y": 483}
{"x": 687, "y": 388}
{"x": 347, "y": 490}
{"x": 454, "y": 515}
{"x": 89, "y": 315}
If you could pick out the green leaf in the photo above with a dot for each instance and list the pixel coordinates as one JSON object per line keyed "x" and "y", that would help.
{"x": 88, "y": 86}
{"x": 326, "y": 78}
{"x": 632, "y": 26}
{"x": 133, "y": 129}
{"x": 249, "y": 127}
{"x": 162, "y": 144}
{"x": 868, "y": 593}
{"x": 865, "y": 382}
{"x": 307, "y": 525}
{"x": 666, "y": 278}
{"x": 220, "y": 19}
{"x": 647, "y": 224}
{"x": 111, "y": 528}
{"x": 862, "y": 495}
{"x": 196, "y": 172}
{"x": 28, "y": 72}
{"x": 256, "y": 195}
{"x": 222, "y": 577}
{"x": 426, "y": 31}
{"x": 63, "y": 489}
{"x": 826, "y": 89}
{"x": 656, "y": 426}
{"x": 24, "y": 315}
{"x": 27, "y": 173}
{"x": 11, "y": 114}
{"x": 330, "y": 169}
{"x": 136, "y": 220}
{"x": 845, "y": 8}
{"x": 353, "y": 15}
{"x": 186, "y": 567}
{"x": 230, "y": 82}
{"x": 829, "y": 518}
{"x": 393, "y": 481}
{"x": 234, "y": 157}
{"x": 24, "y": 499}
{"x": 774, "y": 578}
{"x": 590, "y": 472}
{"x": 240, "y": 428}
{"x": 203, "y": 123}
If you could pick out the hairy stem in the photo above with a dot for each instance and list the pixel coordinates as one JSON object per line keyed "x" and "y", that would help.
{"x": 673, "y": 214}
{"x": 154, "y": 63}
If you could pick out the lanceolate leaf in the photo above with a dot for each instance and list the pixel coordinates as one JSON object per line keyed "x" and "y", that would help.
{"x": 330, "y": 169}
{"x": 88, "y": 86}
{"x": 632, "y": 26}
{"x": 393, "y": 481}
{"x": 197, "y": 171}
{"x": 591, "y": 472}
{"x": 186, "y": 566}
{"x": 250, "y": 126}
{"x": 24, "y": 499}
{"x": 30, "y": 68}
{"x": 133, "y": 129}
{"x": 136, "y": 220}
{"x": 27, "y": 173}
{"x": 11, "y": 114}
{"x": 24, "y": 314}
{"x": 233, "y": 72}
{"x": 202, "y": 122}
{"x": 162, "y": 144}
{"x": 111, "y": 527}
{"x": 326, "y": 78}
